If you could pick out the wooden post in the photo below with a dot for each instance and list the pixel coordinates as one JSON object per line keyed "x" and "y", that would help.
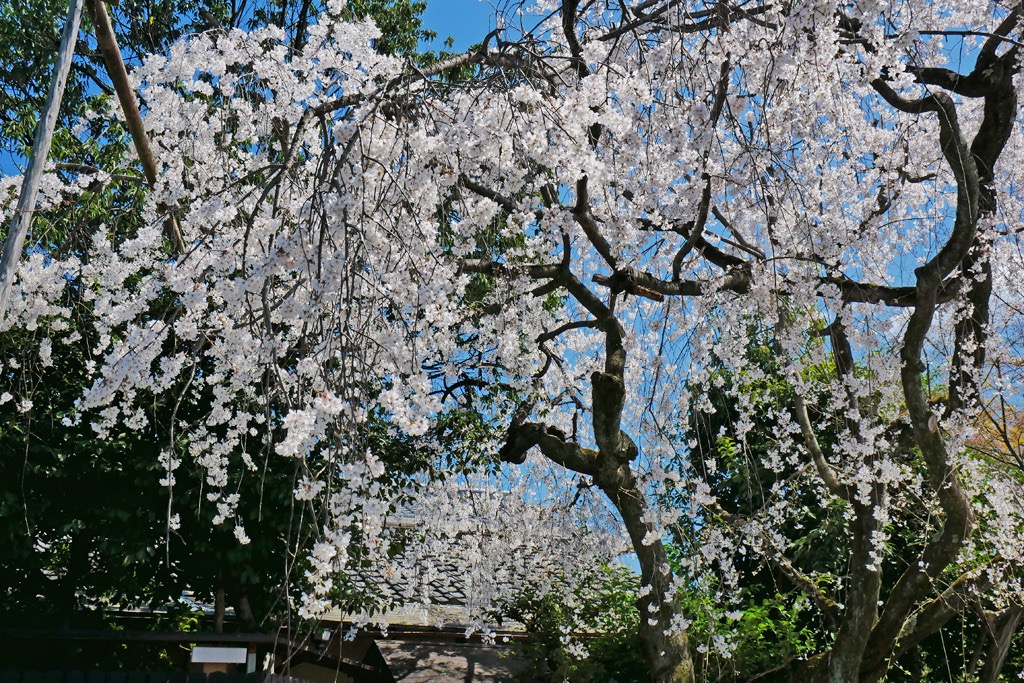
{"x": 15, "y": 241}
{"x": 107, "y": 42}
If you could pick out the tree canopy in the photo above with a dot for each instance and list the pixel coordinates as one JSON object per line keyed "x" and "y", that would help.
{"x": 728, "y": 271}
{"x": 85, "y": 520}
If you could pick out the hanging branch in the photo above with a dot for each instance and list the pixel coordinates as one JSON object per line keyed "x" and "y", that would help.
{"x": 15, "y": 241}
{"x": 107, "y": 42}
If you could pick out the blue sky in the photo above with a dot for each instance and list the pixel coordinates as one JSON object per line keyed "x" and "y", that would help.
{"x": 466, "y": 21}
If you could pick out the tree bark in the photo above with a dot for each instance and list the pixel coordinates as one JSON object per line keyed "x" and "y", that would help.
{"x": 665, "y": 644}
{"x": 861, "y": 613}
{"x": 243, "y": 608}
{"x": 999, "y": 645}
{"x": 219, "y": 603}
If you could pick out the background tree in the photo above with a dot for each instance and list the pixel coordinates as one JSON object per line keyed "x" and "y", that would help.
{"x": 589, "y": 634}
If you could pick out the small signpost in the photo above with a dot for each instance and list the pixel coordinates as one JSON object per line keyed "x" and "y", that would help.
{"x": 210, "y": 658}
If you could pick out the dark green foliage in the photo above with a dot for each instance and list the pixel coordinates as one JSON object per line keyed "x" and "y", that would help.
{"x": 600, "y": 616}
{"x": 85, "y": 519}
{"x": 772, "y": 622}
{"x": 399, "y": 23}
{"x": 30, "y": 33}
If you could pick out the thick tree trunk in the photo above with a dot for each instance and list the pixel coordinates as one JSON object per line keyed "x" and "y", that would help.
{"x": 999, "y": 645}
{"x": 219, "y": 603}
{"x": 662, "y": 636}
{"x": 665, "y": 644}
{"x": 663, "y": 640}
{"x": 861, "y": 613}
{"x": 243, "y": 608}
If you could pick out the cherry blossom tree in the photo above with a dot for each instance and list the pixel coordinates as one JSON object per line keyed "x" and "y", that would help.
{"x": 569, "y": 234}
{"x": 52, "y": 501}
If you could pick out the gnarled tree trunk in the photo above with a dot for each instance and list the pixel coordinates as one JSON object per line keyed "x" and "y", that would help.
{"x": 666, "y": 646}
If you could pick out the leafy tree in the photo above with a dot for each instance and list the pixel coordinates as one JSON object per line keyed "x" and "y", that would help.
{"x": 588, "y": 634}
{"x": 768, "y": 619}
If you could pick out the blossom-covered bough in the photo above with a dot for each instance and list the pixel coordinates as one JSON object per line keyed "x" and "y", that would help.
{"x": 569, "y": 233}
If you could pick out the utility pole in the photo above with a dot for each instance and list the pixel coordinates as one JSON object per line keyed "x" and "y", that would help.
{"x": 15, "y": 241}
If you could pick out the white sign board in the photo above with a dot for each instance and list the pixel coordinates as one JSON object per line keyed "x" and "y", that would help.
{"x": 203, "y": 654}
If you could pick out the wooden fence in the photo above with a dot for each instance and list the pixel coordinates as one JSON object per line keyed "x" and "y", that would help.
{"x": 54, "y": 676}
